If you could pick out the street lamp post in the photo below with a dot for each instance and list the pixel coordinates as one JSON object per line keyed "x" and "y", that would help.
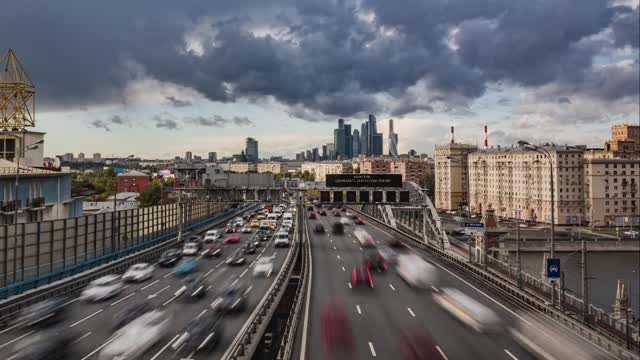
{"x": 25, "y": 148}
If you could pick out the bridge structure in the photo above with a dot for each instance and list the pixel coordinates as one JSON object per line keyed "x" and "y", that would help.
{"x": 284, "y": 313}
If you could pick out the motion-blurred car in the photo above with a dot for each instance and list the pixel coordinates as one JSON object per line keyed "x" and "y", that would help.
{"x": 187, "y": 266}
{"x": 231, "y": 229}
{"x": 44, "y": 313}
{"x": 170, "y": 257}
{"x": 211, "y": 236}
{"x": 388, "y": 254}
{"x": 285, "y": 227}
{"x": 358, "y": 221}
{"x": 393, "y": 241}
{"x": 201, "y": 335}
{"x": 312, "y": 215}
{"x": 335, "y": 330}
{"x": 323, "y": 213}
{"x": 337, "y": 228}
{"x": 102, "y": 288}
{"x": 230, "y": 300}
{"x": 263, "y": 235}
{"x": 133, "y": 340}
{"x": 196, "y": 239}
{"x": 255, "y": 223}
{"x": 130, "y": 313}
{"x": 319, "y": 228}
{"x": 309, "y": 208}
{"x": 373, "y": 260}
{"x": 418, "y": 344}
{"x": 416, "y": 271}
{"x": 468, "y": 310}
{"x": 246, "y": 230}
{"x": 193, "y": 287}
{"x": 248, "y": 248}
{"x": 263, "y": 267}
{"x": 345, "y": 221}
{"x": 232, "y": 239}
{"x": 213, "y": 250}
{"x": 337, "y": 213}
{"x": 364, "y": 238}
{"x": 237, "y": 258}
{"x": 190, "y": 249}
{"x": 50, "y": 344}
{"x": 139, "y": 272}
{"x": 361, "y": 277}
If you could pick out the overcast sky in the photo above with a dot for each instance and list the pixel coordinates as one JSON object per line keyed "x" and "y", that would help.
{"x": 156, "y": 78}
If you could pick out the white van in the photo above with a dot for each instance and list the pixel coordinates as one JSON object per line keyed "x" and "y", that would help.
{"x": 272, "y": 216}
{"x": 281, "y": 239}
{"x": 287, "y": 216}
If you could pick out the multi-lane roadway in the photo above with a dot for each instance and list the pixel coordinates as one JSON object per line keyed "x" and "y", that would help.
{"x": 91, "y": 323}
{"x": 378, "y": 317}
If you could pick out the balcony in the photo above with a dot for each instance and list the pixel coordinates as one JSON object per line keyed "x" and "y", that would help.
{"x": 10, "y": 206}
{"x": 37, "y": 202}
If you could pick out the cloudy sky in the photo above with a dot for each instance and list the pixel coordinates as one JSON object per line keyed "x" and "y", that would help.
{"x": 158, "y": 77}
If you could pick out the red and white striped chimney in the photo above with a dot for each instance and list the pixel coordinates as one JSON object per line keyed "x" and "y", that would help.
{"x": 486, "y": 142}
{"x": 452, "y": 142}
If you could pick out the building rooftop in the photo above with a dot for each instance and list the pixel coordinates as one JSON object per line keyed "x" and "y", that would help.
{"x": 519, "y": 149}
{"x": 9, "y": 168}
{"x": 133, "y": 173}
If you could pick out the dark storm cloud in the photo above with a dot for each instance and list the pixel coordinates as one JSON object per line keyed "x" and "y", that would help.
{"x": 242, "y": 121}
{"x": 119, "y": 120}
{"x": 175, "y": 102}
{"x": 166, "y": 121}
{"x": 218, "y": 121}
{"x": 324, "y": 58}
{"x": 107, "y": 124}
{"x": 99, "y": 124}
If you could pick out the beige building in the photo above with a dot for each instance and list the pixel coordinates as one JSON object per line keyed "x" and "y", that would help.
{"x": 322, "y": 169}
{"x": 611, "y": 191}
{"x": 238, "y": 167}
{"x": 516, "y": 182}
{"x": 273, "y": 167}
{"x": 451, "y": 175}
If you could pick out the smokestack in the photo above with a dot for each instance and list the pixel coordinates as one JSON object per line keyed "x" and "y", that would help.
{"x": 452, "y": 142}
{"x": 486, "y": 143}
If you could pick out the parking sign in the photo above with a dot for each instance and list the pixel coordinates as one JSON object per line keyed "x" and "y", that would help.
{"x": 553, "y": 268}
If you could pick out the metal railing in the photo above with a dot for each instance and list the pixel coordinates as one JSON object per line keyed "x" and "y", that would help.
{"x": 505, "y": 286}
{"x": 11, "y": 307}
{"x": 245, "y": 343}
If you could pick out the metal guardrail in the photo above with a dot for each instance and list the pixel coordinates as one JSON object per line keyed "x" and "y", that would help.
{"x": 287, "y": 343}
{"x": 245, "y": 343}
{"x": 9, "y": 308}
{"x": 506, "y": 288}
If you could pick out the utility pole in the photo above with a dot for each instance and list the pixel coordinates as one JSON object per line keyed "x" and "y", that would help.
{"x": 585, "y": 284}
{"x": 519, "y": 259}
{"x": 180, "y": 216}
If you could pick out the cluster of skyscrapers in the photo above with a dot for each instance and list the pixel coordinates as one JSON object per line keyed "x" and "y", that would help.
{"x": 348, "y": 144}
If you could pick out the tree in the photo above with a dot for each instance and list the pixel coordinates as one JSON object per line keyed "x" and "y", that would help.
{"x": 151, "y": 194}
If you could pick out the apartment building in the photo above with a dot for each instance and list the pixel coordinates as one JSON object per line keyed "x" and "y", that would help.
{"x": 411, "y": 170}
{"x": 451, "y": 175}
{"x": 273, "y": 167}
{"x": 322, "y": 169}
{"x": 375, "y": 166}
{"x": 611, "y": 191}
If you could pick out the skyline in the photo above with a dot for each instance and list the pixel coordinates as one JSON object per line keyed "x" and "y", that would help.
{"x": 211, "y": 75}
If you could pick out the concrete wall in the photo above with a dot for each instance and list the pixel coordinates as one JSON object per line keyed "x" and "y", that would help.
{"x": 50, "y": 246}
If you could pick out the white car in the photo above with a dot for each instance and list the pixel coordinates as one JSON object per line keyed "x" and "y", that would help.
{"x": 287, "y": 222}
{"x": 469, "y": 311}
{"x": 363, "y": 237}
{"x": 246, "y": 230}
{"x": 133, "y": 340}
{"x": 102, "y": 288}
{"x": 285, "y": 227}
{"x": 416, "y": 271}
{"x": 139, "y": 272}
{"x": 263, "y": 267}
{"x": 345, "y": 221}
{"x": 190, "y": 249}
{"x": 281, "y": 239}
{"x": 212, "y": 235}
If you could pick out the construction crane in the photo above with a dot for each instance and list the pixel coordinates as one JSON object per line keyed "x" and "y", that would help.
{"x": 17, "y": 94}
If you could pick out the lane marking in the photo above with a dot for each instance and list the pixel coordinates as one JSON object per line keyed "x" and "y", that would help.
{"x": 510, "y": 354}
{"x": 244, "y": 272}
{"x": 147, "y": 286}
{"x": 87, "y": 317}
{"x": 13, "y": 327}
{"x": 169, "y": 274}
{"x": 373, "y": 351}
{"x": 123, "y": 299}
{"x": 202, "y": 313}
{"x": 334, "y": 247}
{"x": 99, "y": 348}
{"x": 338, "y": 256}
{"x": 161, "y": 290}
{"x": 442, "y": 353}
{"x": 234, "y": 282}
{"x": 68, "y": 302}
{"x": 361, "y": 249}
{"x": 16, "y": 339}
{"x": 170, "y": 300}
{"x": 248, "y": 289}
{"x": 343, "y": 269}
{"x": 82, "y": 337}
{"x": 358, "y": 308}
{"x": 392, "y": 288}
{"x": 411, "y": 312}
{"x": 164, "y": 348}
{"x": 349, "y": 285}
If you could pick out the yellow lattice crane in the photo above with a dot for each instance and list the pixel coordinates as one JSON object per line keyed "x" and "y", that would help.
{"x": 17, "y": 94}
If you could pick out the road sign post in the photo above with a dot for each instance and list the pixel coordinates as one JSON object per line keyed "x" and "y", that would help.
{"x": 553, "y": 268}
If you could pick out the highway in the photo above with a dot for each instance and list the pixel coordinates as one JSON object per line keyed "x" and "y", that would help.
{"x": 90, "y": 323}
{"x": 379, "y": 316}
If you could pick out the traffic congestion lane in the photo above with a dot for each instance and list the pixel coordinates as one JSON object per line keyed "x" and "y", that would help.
{"x": 378, "y": 316}
{"x": 91, "y": 321}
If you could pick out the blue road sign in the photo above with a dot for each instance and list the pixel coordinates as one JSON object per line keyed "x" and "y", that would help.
{"x": 553, "y": 268}
{"x": 119, "y": 170}
{"x": 475, "y": 225}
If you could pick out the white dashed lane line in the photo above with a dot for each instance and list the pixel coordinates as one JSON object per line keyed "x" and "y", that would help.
{"x": 411, "y": 312}
{"x": 16, "y": 339}
{"x": 150, "y": 285}
{"x": 510, "y": 354}
{"x": 392, "y": 288}
{"x": 86, "y": 318}
{"x": 358, "y": 309}
{"x": 81, "y": 337}
{"x": 343, "y": 269}
{"x": 373, "y": 351}
{"x": 123, "y": 299}
{"x": 442, "y": 353}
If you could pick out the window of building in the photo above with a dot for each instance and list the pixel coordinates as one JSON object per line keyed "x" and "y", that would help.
{"x": 606, "y": 210}
{"x": 7, "y": 147}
